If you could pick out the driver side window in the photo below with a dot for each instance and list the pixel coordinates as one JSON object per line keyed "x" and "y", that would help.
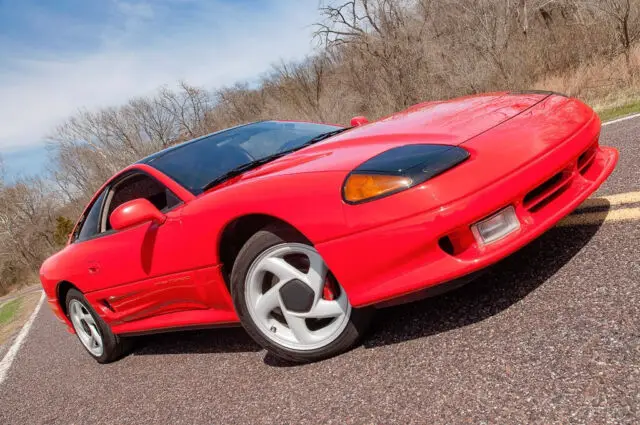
{"x": 88, "y": 226}
{"x": 136, "y": 186}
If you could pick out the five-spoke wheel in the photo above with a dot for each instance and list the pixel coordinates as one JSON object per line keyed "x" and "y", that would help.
{"x": 86, "y": 328}
{"x": 293, "y": 299}
{"x": 289, "y": 301}
{"x": 94, "y": 334}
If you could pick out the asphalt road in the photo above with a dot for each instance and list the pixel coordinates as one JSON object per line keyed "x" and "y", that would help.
{"x": 550, "y": 335}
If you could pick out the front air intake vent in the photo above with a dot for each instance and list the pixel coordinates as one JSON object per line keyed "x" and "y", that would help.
{"x": 546, "y": 192}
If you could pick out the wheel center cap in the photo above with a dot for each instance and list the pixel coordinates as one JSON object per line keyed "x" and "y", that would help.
{"x": 297, "y": 296}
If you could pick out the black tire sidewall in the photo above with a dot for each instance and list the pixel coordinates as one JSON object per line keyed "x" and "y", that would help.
{"x": 113, "y": 346}
{"x": 256, "y": 245}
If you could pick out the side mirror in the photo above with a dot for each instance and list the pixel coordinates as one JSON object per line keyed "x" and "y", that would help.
{"x": 135, "y": 212}
{"x": 358, "y": 121}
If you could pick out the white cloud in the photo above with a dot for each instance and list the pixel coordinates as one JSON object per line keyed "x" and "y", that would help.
{"x": 226, "y": 44}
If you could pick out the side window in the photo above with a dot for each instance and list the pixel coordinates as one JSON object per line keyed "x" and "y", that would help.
{"x": 89, "y": 224}
{"x": 134, "y": 187}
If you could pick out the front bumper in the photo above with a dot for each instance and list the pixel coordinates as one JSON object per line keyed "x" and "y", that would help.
{"x": 409, "y": 255}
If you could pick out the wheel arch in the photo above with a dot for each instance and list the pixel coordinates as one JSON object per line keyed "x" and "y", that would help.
{"x": 62, "y": 289}
{"x": 238, "y": 231}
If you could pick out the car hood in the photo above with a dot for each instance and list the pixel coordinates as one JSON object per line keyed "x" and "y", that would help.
{"x": 446, "y": 123}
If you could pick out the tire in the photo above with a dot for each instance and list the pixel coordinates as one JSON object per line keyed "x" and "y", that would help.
{"x": 113, "y": 346}
{"x": 269, "y": 307}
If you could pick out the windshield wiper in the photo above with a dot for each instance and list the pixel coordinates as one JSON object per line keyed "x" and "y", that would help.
{"x": 320, "y": 137}
{"x": 258, "y": 162}
{"x": 241, "y": 169}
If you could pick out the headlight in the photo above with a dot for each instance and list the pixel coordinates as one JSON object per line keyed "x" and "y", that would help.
{"x": 398, "y": 169}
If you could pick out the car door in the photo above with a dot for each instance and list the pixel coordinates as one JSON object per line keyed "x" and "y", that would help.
{"x": 140, "y": 271}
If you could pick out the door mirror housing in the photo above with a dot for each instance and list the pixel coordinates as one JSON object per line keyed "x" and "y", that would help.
{"x": 358, "y": 121}
{"x": 135, "y": 212}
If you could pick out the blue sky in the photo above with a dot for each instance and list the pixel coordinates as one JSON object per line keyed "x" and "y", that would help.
{"x": 57, "y": 56}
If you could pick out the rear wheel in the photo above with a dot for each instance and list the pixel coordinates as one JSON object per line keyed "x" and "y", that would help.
{"x": 289, "y": 301}
{"x": 94, "y": 334}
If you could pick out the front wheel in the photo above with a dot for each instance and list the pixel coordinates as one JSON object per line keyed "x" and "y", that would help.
{"x": 288, "y": 300}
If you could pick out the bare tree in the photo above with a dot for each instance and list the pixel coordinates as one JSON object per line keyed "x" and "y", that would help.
{"x": 625, "y": 15}
{"x": 27, "y": 219}
{"x": 375, "y": 57}
{"x": 189, "y": 106}
{"x": 236, "y": 105}
{"x": 302, "y": 85}
{"x": 387, "y": 35}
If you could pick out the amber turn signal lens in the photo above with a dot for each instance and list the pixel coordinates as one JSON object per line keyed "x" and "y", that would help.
{"x": 360, "y": 187}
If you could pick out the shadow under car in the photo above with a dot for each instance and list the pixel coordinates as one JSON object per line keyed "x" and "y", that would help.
{"x": 503, "y": 285}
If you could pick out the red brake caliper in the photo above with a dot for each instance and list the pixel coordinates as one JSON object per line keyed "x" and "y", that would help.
{"x": 329, "y": 290}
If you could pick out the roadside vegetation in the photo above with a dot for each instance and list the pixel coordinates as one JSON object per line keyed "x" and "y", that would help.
{"x": 613, "y": 112}
{"x": 8, "y": 311}
{"x": 14, "y": 313}
{"x": 373, "y": 57}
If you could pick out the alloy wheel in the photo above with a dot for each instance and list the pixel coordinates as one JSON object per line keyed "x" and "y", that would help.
{"x": 294, "y": 299}
{"x": 86, "y": 328}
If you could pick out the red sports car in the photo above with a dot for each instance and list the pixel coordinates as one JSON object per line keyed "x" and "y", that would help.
{"x": 296, "y": 230}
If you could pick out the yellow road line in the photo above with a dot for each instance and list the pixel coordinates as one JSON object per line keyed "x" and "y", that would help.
{"x": 619, "y": 199}
{"x": 587, "y": 218}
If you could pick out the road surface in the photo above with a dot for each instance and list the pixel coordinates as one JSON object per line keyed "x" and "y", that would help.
{"x": 550, "y": 335}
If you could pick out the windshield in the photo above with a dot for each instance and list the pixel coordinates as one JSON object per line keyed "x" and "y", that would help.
{"x": 194, "y": 164}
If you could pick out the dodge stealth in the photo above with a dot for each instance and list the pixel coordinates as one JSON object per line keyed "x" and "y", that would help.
{"x": 297, "y": 231}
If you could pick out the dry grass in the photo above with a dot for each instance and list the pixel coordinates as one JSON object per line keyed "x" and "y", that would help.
{"x": 607, "y": 85}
